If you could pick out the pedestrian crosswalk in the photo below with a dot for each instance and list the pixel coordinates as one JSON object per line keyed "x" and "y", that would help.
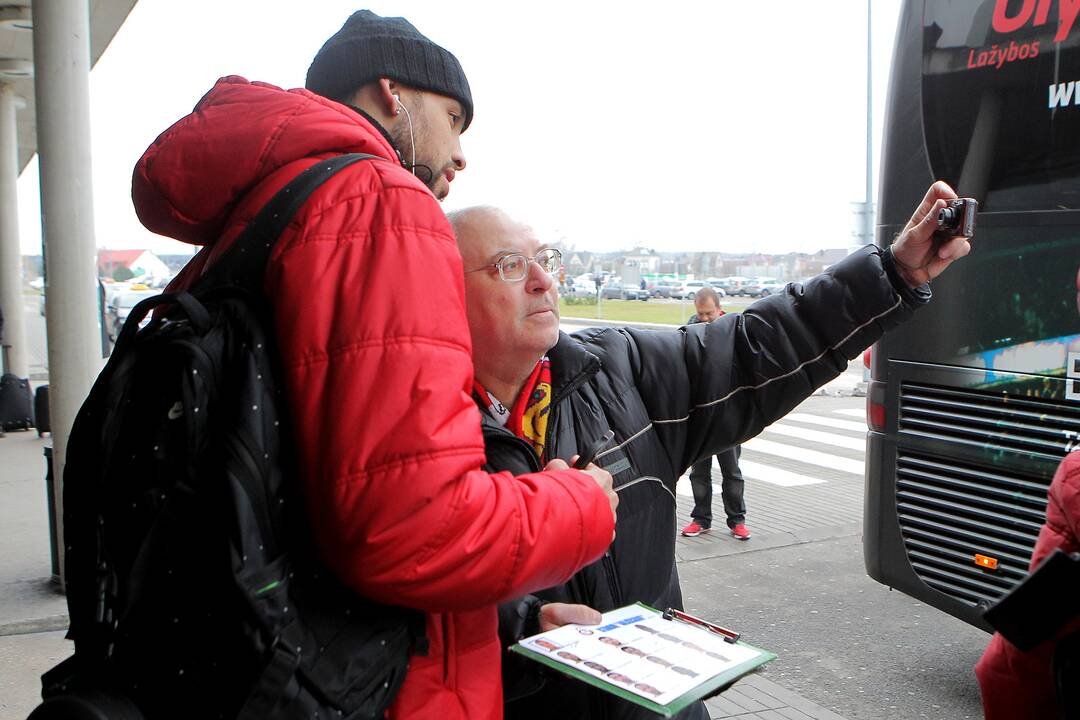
{"x": 817, "y": 436}
{"x": 804, "y": 448}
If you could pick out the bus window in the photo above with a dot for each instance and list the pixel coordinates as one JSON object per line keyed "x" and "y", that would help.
{"x": 1001, "y": 103}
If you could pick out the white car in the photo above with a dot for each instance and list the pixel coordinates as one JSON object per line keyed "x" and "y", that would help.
{"x": 689, "y": 289}
{"x": 768, "y": 287}
{"x": 579, "y": 288}
{"x": 122, "y": 303}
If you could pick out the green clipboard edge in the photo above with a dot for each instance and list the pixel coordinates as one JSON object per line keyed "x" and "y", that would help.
{"x": 693, "y": 695}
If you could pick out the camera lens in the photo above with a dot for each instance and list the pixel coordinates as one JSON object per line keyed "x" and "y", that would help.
{"x": 947, "y": 217}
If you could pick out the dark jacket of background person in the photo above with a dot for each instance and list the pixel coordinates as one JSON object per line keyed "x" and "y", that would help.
{"x": 388, "y": 439}
{"x": 1018, "y": 684}
{"x": 672, "y": 397}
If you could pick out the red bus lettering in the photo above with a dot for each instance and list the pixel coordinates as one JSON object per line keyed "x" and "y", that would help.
{"x": 1037, "y": 12}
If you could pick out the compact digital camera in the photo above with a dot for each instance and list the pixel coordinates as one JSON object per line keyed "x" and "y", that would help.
{"x": 957, "y": 219}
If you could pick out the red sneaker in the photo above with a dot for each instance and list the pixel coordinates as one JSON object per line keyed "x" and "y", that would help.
{"x": 740, "y": 532}
{"x": 694, "y": 529}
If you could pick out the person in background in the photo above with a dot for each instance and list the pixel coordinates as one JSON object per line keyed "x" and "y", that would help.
{"x": 707, "y": 305}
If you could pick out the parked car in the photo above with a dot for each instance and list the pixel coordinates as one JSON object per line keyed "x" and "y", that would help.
{"x": 689, "y": 289}
{"x": 765, "y": 288}
{"x": 661, "y": 289}
{"x": 119, "y": 307}
{"x": 579, "y": 288}
{"x": 618, "y": 291}
{"x": 731, "y": 285}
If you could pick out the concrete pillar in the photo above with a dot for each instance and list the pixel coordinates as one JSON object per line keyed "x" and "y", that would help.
{"x": 62, "y": 94}
{"x": 11, "y": 298}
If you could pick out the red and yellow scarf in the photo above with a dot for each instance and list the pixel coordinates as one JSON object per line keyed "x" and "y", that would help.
{"x": 528, "y": 417}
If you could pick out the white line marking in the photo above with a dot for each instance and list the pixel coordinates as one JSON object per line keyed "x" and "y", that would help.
{"x": 754, "y": 471}
{"x": 825, "y": 438}
{"x": 852, "y": 412}
{"x": 812, "y": 457}
{"x": 682, "y": 487}
{"x": 859, "y": 427}
{"x": 774, "y": 476}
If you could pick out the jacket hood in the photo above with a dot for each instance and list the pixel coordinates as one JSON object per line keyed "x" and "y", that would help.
{"x": 189, "y": 181}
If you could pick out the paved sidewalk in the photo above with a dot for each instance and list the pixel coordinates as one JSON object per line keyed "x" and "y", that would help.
{"x": 33, "y": 613}
{"x": 757, "y": 698}
{"x": 778, "y": 516}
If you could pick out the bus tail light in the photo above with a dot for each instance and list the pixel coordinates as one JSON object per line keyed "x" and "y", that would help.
{"x": 875, "y": 406}
{"x": 986, "y": 562}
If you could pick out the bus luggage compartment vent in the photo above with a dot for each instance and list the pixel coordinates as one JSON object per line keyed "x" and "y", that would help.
{"x": 996, "y": 421}
{"x": 949, "y": 512}
{"x": 952, "y": 509}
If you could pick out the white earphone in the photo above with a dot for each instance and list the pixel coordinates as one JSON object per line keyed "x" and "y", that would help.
{"x": 412, "y": 139}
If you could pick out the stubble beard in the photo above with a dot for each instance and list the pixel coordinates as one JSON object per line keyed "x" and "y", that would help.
{"x": 403, "y": 141}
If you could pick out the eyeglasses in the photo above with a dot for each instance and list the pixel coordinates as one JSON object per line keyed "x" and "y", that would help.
{"x": 514, "y": 267}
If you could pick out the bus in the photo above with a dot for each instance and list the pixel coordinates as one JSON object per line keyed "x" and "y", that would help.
{"x": 973, "y": 403}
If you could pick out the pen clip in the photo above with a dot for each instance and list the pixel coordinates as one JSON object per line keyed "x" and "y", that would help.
{"x": 729, "y": 635}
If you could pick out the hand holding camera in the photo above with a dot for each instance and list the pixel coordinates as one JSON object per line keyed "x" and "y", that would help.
{"x": 937, "y": 234}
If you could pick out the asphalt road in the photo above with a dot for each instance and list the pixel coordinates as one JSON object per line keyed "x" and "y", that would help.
{"x": 843, "y": 641}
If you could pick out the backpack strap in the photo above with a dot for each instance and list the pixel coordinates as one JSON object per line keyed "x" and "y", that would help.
{"x": 244, "y": 263}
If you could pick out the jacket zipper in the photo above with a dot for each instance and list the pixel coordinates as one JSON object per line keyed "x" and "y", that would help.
{"x": 608, "y": 560}
{"x": 564, "y": 392}
{"x": 612, "y": 578}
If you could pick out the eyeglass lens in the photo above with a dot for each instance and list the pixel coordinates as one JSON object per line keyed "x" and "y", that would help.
{"x": 516, "y": 267}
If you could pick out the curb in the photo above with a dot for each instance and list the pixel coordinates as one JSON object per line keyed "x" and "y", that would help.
{"x": 37, "y": 625}
{"x": 595, "y": 322}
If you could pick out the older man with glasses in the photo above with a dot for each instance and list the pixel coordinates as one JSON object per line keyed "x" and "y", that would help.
{"x": 671, "y": 397}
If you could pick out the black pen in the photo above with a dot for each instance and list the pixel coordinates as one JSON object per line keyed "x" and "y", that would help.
{"x": 585, "y": 458}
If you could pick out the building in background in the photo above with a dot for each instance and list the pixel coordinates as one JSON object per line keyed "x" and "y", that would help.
{"x": 141, "y": 264}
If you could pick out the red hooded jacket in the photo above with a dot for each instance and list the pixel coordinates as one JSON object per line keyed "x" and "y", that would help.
{"x": 1018, "y": 684}
{"x": 369, "y": 307}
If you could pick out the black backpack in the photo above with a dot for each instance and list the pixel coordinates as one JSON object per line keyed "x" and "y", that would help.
{"x": 192, "y": 583}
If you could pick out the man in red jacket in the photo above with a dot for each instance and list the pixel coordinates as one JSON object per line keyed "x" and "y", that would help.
{"x": 387, "y": 435}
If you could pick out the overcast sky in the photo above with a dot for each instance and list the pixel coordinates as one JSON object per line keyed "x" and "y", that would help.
{"x": 724, "y": 126}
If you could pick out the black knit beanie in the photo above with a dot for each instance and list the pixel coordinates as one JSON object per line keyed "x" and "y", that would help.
{"x": 369, "y": 47}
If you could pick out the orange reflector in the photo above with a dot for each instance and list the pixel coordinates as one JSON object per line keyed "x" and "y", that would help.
{"x": 985, "y": 561}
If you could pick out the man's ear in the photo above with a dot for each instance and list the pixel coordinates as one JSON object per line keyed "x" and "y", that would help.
{"x": 389, "y": 95}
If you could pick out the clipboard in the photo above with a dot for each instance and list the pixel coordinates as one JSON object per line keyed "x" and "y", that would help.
{"x": 678, "y": 658}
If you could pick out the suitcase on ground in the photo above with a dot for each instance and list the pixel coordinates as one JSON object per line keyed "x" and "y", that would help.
{"x": 41, "y": 410}
{"x": 16, "y": 403}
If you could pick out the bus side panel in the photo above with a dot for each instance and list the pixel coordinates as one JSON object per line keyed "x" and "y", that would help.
{"x": 884, "y": 554}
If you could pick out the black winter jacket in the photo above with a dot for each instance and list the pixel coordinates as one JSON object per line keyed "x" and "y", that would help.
{"x": 672, "y": 397}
